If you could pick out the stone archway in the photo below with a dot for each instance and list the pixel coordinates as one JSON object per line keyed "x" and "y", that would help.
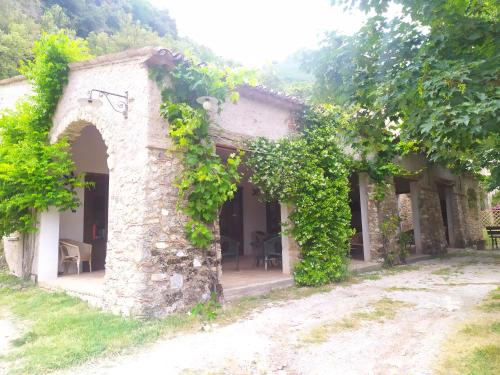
{"x": 89, "y": 152}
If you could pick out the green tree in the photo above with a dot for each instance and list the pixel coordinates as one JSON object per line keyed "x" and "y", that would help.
{"x": 431, "y": 74}
{"x": 18, "y": 31}
{"x": 35, "y": 174}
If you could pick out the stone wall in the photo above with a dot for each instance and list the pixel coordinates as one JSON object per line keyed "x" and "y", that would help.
{"x": 405, "y": 212}
{"x": 431, "y": 221}
{"x": 178, "y": 275}
{"x": 381, "y": 221}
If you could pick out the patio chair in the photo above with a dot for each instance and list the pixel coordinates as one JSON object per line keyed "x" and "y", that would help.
{"x": 257, "y": 245}
{"x": 230, "y": 248}
{"x": 272, "y": 250}
{"x": 75, "y": 252}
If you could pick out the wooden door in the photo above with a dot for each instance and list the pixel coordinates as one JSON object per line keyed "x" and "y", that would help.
{"x": 95, "y": 218}
{"x": 231, "y": 218}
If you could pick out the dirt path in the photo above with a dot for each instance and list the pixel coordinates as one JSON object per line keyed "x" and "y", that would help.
{"x": 8, "y": 332}
{"x": 391, "y": 325}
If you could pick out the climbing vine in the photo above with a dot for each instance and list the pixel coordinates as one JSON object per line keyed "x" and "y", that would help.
{"x": 311, "y": 173}
{"x": 34, "y": 174}
{"x": 206, "y": 181}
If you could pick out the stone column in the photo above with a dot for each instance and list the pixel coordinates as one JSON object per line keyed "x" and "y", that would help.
{"x": 365, "y": 227}
{"x": 458, "y": 212}
{"x": 382, "y": 235}
{"x": 431, "y": 220}
{"x": 291, "y": 251}
{"x": 450, "y": 223}
{"x": 416, "y": 217}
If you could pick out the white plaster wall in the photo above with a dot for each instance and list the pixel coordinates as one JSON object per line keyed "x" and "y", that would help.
{"x": 253, "y": 117}
{"x": 11, "y": 91}
{"x": 254, "y": 215}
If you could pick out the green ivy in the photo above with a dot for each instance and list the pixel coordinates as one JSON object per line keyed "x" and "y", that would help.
{"x": 310, "y": 172}
{"x": 34, "y": 174}
{"x": 206, "y": 181}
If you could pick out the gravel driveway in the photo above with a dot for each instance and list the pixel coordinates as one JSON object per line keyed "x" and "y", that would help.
{"x": 393, "y": 324}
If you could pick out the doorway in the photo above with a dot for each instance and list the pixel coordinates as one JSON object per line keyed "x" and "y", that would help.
{"x": 231, "y": 219}
{"x": 95, "y": 221}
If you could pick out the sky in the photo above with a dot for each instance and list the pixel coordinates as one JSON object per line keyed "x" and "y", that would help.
{"x": 257, "y": 32}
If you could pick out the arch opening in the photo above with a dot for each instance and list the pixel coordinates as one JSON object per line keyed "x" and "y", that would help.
{"x": 85, "y": 229}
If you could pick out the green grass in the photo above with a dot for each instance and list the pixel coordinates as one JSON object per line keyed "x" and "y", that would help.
{"x": 387, "y": 271}
{"x": 59, "y": 331}
{"x": 405, "y": 289}
{"x": 402, "y": 268}
{"x": 446, "y": 271}
{"x": 380, "y": 310}
{"x": 475, "y": 348}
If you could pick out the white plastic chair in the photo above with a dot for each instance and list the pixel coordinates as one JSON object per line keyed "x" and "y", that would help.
{"x": 75, "y": 252}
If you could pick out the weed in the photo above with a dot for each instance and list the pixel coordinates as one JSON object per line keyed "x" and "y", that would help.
{"x": 207, "y": 310}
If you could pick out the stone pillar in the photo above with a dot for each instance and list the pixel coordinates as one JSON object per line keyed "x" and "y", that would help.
{"x": 48, "y": 245}
{"x": 431, "y": 220}
{"x": 291, "y": 251}
{"x": 383, "y": 236}
{"x": 458, "y": 210}
{"x": 449, "y": 217}
{"x": 177, "y": 275}
{"x": 415, "y": 209}
{"x": 365, "y": 227}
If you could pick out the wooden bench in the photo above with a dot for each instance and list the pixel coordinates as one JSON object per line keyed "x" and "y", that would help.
{"x": 494, "y": 234}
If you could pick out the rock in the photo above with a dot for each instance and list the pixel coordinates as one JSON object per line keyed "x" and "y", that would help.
{"x": 159, "y": 277}
{"x": 176, "y": 281}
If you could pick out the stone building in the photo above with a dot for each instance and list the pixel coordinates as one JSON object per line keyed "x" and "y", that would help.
{"x": 142, "y": 264}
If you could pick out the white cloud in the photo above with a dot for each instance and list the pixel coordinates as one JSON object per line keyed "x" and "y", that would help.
{"x": 259, "y": 31}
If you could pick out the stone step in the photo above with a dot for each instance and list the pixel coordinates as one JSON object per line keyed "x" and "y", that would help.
{"x": 256, "y": 289}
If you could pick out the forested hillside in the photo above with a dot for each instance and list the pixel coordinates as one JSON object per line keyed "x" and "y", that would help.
{"x": 108, "y": 26}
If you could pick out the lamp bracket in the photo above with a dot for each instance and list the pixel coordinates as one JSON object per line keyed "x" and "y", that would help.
{"x": 119, "y": 102}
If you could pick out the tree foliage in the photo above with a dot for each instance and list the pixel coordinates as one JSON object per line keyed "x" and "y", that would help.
{"x": 34, "y": 174}
{"x": 310, "y": 172}
{"x": 108, "y": 26}
{"x": 431, "y": 73}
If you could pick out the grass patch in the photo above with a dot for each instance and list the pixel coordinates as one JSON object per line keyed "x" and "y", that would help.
{"x": 446, "y": 271}
{"x": 402, "y": 268}
{"x": 63, "y": 331}
{"x": 475, "y": 348}
{"x": 380, "y": 310}
{"x": 370, "y": 276}
{"x": 405, "y": 289}
{"x": 387, "y": 271}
